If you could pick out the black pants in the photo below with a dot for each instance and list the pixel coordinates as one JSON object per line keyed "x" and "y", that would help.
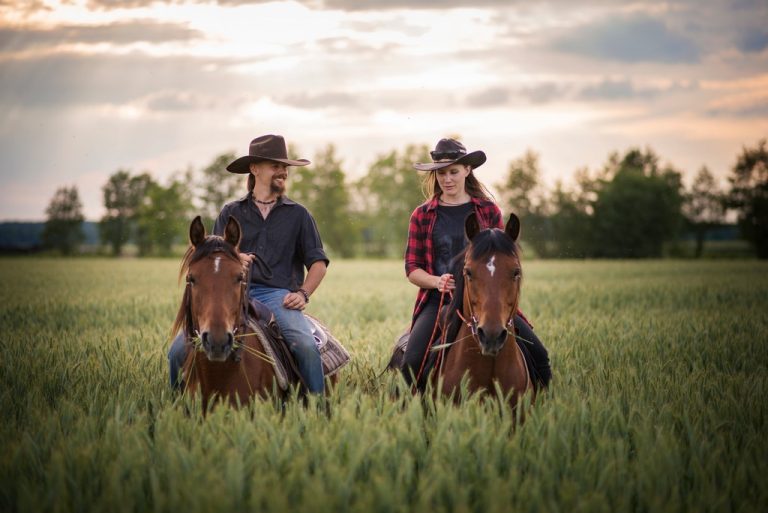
{"x": 422, "y": 329}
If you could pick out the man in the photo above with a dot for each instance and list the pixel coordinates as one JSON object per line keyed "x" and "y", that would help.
{"x": 284, "y": 235}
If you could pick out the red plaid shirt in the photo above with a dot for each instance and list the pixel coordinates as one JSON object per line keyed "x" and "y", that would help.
{"x": 419, "y": 253}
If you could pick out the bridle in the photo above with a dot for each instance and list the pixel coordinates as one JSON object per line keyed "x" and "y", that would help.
{"x": 473, "y": 322}
{"x": 242, "y": 313}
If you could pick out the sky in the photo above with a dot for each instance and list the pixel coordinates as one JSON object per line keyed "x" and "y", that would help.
{"x": 88, "y": 87}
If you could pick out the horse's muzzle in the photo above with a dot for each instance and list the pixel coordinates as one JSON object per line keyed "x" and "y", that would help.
{"x": 218, "y": 348}
{"x": 491, "y": 342}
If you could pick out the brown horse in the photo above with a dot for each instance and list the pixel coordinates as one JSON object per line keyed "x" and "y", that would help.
{"x": 226, "y": 361}
{"x": 487, "y": 295}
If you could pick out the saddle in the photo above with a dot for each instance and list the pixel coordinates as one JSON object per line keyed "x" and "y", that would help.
{"x": 401, "y": 344}
{"x": 261, "y": 322}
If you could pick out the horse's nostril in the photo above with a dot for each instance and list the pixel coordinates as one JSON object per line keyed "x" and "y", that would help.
{"x": 204, "y": 338}
{"x": 502, "y": 336}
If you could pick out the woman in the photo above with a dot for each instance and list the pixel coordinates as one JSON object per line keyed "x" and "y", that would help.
{"x": 435, "y": 237}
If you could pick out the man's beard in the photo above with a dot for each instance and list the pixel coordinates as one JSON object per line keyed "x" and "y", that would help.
{"x": 276, "y": 188}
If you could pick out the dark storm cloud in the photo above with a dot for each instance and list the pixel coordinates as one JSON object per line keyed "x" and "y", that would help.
{"x": 629, "y": 39}
{"x": 73, "y": 79}
{"x": 14, "y": 39}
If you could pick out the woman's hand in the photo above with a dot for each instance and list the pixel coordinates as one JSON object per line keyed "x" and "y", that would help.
{"x": 445, "y": 283}
{"x": 246, "y": 259}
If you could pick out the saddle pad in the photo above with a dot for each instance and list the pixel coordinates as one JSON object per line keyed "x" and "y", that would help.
{"x": 281, "y": 374}
{"x": 333, "y": 355}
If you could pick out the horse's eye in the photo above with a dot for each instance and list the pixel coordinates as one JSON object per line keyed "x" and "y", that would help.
{"x": 241, "y": 278}
{"x": 516, "y": 274}
{"x": 467, "y": 273}
{"x": 191, "y": 280}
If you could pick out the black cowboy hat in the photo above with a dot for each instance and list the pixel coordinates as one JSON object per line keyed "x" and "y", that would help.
{"x": 266, "y": 147}
{"x": 448, "y": 152}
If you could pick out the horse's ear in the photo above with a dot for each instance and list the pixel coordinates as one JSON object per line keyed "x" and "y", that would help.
{"x": 513, "y": 227}
{"x": 232, "y": 232}
{"x": 196, "y": 232}
{"x": 471, "y": 226}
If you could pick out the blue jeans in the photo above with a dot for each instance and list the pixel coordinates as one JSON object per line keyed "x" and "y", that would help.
{"x": 294, "y": 327}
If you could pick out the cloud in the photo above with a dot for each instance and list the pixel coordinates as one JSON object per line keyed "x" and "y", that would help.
{"x": 320, "y": 100}
{"x": 754, "y": 41}
{"x": 492, "y": 97}
{"x": 610, "y": 89}
{"x": 628, "y": 39}
{"x": 68, "y": 80}
{"x": 118, "y": 33}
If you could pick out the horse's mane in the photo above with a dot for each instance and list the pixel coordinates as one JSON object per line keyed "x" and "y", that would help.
{"x": 486, "y": 242}
{"x": 211, "y": 244}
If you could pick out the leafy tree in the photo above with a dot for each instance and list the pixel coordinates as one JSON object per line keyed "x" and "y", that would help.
{"x": 386, "y": 197}
{"x": 704, "y": 207}
{"x": 217, "y": 186}
{"x": 570, "y": 223}
{"x": 521, "y": 192}
{"x": 63, "y": 229}
{"x": 163, "y": 216}
{"x": 322, "y": 189}
{"x": 123, "y": 194}
{"x": 749, "y": 195}
{"x": 638, "y": 209}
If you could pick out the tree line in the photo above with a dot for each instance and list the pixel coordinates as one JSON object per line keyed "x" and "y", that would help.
{"x": 629, "y": 208}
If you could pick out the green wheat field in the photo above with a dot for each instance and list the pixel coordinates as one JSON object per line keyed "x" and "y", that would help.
{"x": 658, "y": 401}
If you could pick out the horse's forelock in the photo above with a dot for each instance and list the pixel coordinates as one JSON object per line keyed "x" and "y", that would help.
{"x": 212, "y": 244}
{"x": 492, "y": 241}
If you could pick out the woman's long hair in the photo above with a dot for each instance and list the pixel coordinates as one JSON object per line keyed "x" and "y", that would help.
{"x": 431, "y": 188}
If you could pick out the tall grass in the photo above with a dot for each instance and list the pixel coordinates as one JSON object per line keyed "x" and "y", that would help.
{"x": 658, "y": 401}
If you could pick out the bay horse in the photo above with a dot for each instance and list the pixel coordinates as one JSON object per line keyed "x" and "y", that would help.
{"x": 226, "y": 361}
{"x": 483, "y": 307}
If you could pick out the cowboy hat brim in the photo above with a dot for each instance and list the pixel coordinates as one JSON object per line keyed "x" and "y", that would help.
{"x": 242, "y": 165}
{"x": 474, "y": 159}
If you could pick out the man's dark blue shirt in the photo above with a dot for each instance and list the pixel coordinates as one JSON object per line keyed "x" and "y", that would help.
{"x": 287, "y": 240}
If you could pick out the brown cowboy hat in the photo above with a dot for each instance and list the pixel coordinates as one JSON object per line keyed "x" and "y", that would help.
{"x": 448, "y": 152}
{"x": 266, "y": 147}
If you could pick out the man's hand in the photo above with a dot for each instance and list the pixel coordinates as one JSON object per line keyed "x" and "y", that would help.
{"x": 294, "y": 301}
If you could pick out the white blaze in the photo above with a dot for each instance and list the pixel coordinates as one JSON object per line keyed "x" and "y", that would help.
{"x": 216, "y": 262}
{"x": 491, "y": 267}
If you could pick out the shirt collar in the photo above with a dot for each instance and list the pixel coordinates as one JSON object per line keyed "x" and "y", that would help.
{"x": 282, "y": 200}
{"x": 434, "y": 202}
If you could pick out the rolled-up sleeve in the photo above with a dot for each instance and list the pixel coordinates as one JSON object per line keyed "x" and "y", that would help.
{"x": 414, "y": 251}
{"x": 311, "y": 245}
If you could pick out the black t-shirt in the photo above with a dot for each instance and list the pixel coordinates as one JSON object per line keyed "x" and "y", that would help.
{"x": 448, "y": 235}
{"x": 287, "y": 240}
